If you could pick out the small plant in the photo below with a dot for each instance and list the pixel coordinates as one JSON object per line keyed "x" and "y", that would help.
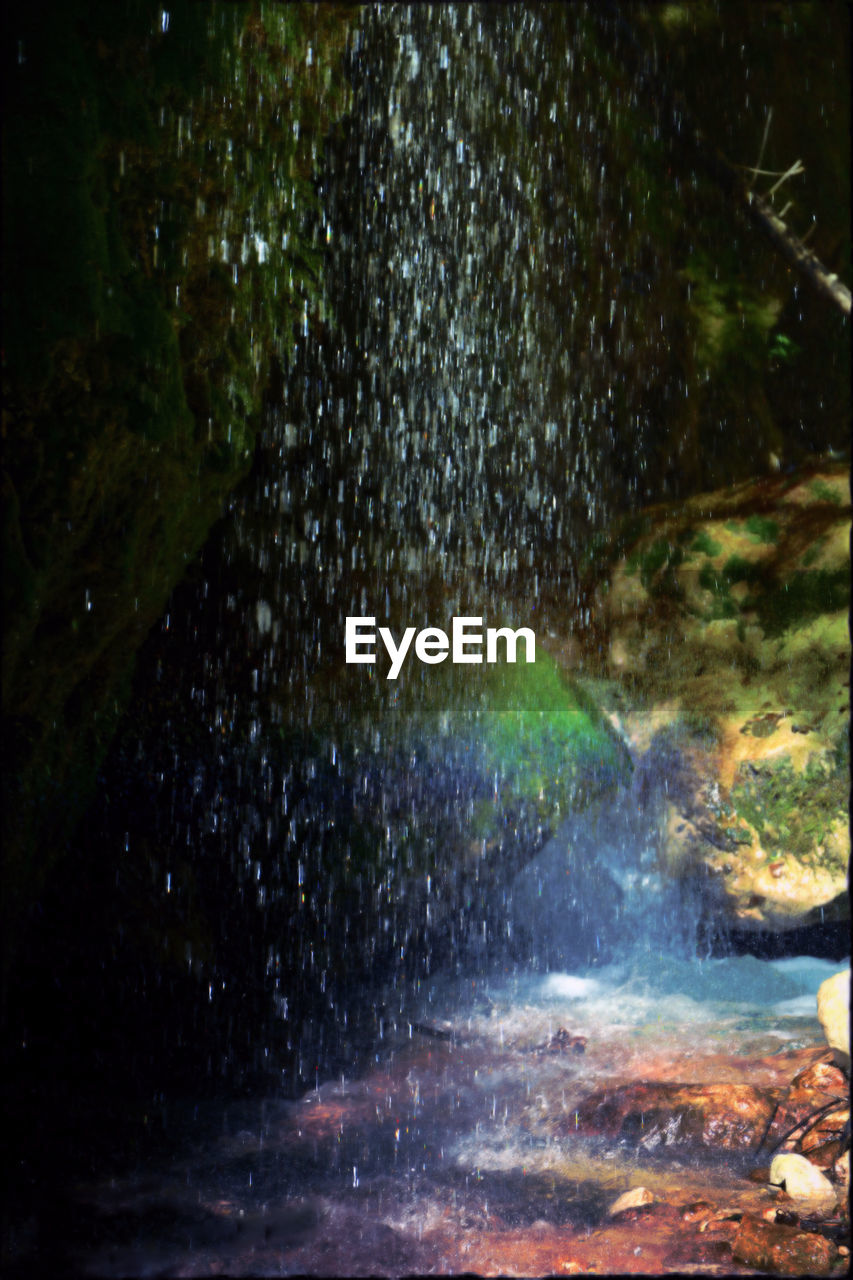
{"x": 783, "y": 348}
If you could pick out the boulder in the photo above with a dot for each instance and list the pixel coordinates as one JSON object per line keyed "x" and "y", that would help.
{"x": 802, "y": 1180}
{"x": 782, "y": 1250}
{"x": 833, "y": 1011}
{"x": 725, "y": 627}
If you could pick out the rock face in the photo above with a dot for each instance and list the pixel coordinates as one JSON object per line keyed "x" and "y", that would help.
{"x": 807, "y": 1117}
{"x": 726, "y": 633}
{"x": 833, "y": 1011}
{"x": 135, "y": 370}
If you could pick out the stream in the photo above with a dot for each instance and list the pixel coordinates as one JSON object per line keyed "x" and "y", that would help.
{"x": 454, "y": 1151}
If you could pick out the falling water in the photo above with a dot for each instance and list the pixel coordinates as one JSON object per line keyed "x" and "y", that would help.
{"x": 478, "y": 398}
{"x": 489, "y": 381}
{"x": 474, "y": 404}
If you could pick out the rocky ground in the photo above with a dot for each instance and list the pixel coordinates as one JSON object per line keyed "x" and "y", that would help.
{"x": 465, "y": 1151}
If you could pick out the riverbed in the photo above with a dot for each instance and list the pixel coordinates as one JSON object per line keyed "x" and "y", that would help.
{"x": 455, "y": 1152}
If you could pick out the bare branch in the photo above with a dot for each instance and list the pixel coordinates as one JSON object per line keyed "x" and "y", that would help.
{"x": 795, "y": 251}
{"x": 795, "y": 168}
{"x": 758, "y": 168}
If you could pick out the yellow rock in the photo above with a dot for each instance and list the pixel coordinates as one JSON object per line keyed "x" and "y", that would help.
{"x": 801, "y": 1179}
{"x": 833, "y": 1011}
{"x": 631, "y": 1200}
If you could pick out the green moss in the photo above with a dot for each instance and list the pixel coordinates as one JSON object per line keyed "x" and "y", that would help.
{"x": 814, "y": 552}
{"x": 543, "y": 737}
{"x": 805, "y": 595}
{"x": 794, "y": 813}
{"x": 734, "y": 318}
{"x": 825, "y": 493}
{"x": 762, "y": 529}
{"x": 720, "y": 581}
{"x": 538, "y": 735}
{"x": 662, "y": 554}
{"x": 736, "y": 569}
{"x": 705, "y": 544}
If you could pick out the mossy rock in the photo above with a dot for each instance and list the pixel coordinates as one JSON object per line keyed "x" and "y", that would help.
{"x": 728, "y": 632}
{"x": 156, "y": 272}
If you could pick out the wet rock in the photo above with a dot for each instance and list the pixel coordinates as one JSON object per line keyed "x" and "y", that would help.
{"x": 728, "y": 635}
{"x": 803, "y": 1120}
{"x": 699, "y": 1211}
{"x": 631, "y": 1200}
{"x": 822, "y": 1076}
{"x": 729, "y": 1116}
{"x": 829, "y": 1130}
{"x": 692, "y": 1253}
{"x": 833, "y": 1011}
{"x": 825, "y": 1156}
{"x": 801, "y": 1179}
{"x": 768, "y": 1246}
{"x": 841, "y": 1172}
{"x": 563, "y": 1041}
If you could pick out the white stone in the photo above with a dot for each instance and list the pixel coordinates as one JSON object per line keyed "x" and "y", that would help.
{"x": 631, "y": 1200}
{"x": 833, "y": 1011}
{"x": 802, "y": 1179}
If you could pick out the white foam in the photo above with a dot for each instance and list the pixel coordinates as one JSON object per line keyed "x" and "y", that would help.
{"x": 808, "y": 972}
{"x": 798, "y": 1007}
{"x": 570, "y": 986}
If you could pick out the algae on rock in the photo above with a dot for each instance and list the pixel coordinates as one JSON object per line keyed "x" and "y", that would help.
{"x": 728, "y": 635}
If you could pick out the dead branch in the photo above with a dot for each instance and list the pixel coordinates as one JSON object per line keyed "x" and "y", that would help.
{"x": 794, "y": 249}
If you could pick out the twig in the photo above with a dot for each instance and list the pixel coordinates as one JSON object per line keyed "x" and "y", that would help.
{"x": 758, "y": 168}
{"x": 810, "y": 1122}
{"x": 796, "y": 167}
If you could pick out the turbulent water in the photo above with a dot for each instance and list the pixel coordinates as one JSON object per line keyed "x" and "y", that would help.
{"x": 456, "y": 1146}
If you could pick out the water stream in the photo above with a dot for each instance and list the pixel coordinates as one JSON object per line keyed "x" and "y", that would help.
{"x": 456, "y": 1150}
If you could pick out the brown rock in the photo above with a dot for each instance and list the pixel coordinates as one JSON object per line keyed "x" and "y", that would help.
{"x": 825, "y": 1155}
{"x": 692, "y": 1253}
{"x": 798, "y": 1110}
{"x": 829, "y": 1128}
{"x": 784, "y": 1250}
{"x": 698, "y": 1211}
{"x": 734, "y": 1117}
{"x": 824, "y": 1077}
